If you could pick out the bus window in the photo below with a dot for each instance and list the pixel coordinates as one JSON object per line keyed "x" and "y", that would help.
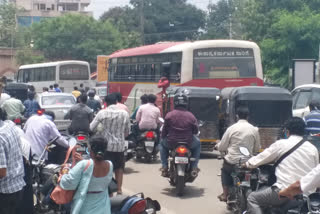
{"x": 175, "y": 72}
{"x": 74, "y": 72}
{"x": 214, "y": 63}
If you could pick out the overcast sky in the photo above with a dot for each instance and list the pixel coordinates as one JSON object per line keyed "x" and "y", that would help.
{"x": 100, "y": 6}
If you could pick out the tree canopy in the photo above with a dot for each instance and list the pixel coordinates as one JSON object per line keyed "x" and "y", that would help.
{"x": 76, "y": 37}
{"x": 164, "y": 20}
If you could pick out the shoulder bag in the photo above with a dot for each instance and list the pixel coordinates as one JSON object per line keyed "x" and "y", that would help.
{"x": 62, "y": 196}
{"x": 272, "y": 177}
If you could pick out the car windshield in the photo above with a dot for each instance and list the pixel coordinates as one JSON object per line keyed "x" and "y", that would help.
{"x": 58, "y": 100}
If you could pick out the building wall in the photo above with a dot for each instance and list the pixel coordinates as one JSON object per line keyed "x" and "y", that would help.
{"x": 8, "y": 66}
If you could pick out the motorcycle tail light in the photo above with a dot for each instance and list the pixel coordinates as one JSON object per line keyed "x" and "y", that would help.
{"x": 150, "y": 134}
{"x": 40, "y": 112}
{"x": 182, "y": 150}
{"x": 17, "y": 121}
{"x": 81, "y": 137}
{"x": 138, "y": 207}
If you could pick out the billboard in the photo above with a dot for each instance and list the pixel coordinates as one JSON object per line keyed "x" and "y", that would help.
{"x": 303, "y": 72}
{"x": 102, "y": 68}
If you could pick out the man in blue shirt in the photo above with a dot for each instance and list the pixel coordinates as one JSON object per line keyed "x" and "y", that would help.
{"x": 31, "y": 105}
{"x": 312, "y": 120}
{"x": 56, "y": 88}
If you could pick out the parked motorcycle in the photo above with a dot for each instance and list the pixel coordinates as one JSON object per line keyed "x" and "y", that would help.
{"x": 180, "y": 167}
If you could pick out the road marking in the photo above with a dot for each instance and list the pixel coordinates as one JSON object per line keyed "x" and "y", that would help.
{"x": 163, "y": 209}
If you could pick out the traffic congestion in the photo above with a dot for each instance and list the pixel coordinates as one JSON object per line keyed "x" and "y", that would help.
{"x": 70, "y": 143}
{"x": 159, "y": 107}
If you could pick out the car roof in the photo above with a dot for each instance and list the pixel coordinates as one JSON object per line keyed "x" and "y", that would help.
{"x": 307, "y": 86}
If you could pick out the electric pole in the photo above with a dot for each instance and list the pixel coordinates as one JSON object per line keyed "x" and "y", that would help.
{"x": 142, "y": 21}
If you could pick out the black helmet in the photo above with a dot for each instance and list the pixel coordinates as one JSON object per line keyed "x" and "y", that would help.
{"x": 180, "y": 100}
{"x": 91, "y": 93}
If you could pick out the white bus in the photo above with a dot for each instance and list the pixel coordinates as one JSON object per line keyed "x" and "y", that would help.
{"x": 67, "y": 74}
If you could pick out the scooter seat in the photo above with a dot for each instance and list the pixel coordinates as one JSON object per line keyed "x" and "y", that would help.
{"x": 117, "y": 200}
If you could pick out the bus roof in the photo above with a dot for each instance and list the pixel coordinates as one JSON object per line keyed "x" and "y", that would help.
{"x": 52, "y": 64}
{"x": 166, "y": 47}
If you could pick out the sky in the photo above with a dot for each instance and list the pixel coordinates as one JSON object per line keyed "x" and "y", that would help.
{"x": 100, "y": 6}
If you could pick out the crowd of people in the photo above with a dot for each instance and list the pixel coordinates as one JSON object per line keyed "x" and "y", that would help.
{"x": 108, "y": 128}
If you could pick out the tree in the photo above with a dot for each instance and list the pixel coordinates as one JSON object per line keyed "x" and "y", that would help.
{"x": 76, "y": 37}
{"x": 165, "y": 20}
{"x": 292, "y": 35}
{"x": 7, "y": 24}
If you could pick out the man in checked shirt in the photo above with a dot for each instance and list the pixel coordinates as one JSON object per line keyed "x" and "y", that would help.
{"x": 11, "y": 166}
{"x": 116, "y": 126}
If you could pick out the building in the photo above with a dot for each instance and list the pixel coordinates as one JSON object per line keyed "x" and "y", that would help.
{"x": 35, "y": 10}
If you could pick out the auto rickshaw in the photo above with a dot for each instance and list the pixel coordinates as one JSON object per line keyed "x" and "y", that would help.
{"x": 20, "y": 89}
{"x": 269, "y": 109}
{"x": 204, "y": 104}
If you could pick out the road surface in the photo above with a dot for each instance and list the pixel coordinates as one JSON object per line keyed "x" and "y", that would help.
{"x": 200, "y": 196}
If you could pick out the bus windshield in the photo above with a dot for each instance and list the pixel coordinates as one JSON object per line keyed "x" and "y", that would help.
{"x": 215, "y": 63}
{"x": 74, "y": 72}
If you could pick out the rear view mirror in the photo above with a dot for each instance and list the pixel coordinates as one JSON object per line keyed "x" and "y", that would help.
{"x": 244, "y": 151}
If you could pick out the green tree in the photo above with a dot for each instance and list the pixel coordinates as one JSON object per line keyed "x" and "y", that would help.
{"x": 7, "y": 23}
{"x": 292, "y": 35}
{"x": 76, "y": 37}
{"x": 165, "y": 20}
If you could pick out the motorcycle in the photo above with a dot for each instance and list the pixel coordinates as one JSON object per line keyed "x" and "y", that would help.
{"x": 180, "y": 167}
{"x": 244, "y": 182}
{"x": 42, "y": 182}
{"x": 147, "y": 146}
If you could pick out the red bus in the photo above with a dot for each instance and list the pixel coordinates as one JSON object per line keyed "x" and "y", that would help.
{"x": 208, "y": 63}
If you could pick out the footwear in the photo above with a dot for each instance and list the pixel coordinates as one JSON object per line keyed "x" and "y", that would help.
{"x": 164, "y": 172}
{"x": 222, "y": 198}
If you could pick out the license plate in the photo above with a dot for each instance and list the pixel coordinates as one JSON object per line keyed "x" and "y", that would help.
{"x": 184, "y": 160}
{"x": 126, "y": 144}
{"x": 149, "y": 143}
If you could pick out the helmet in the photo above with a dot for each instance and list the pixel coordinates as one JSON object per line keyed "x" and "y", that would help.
{"x": 180, "y": 100}
{"x": 91, "y": 93}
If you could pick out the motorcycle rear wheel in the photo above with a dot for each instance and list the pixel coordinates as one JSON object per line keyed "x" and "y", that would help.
{"x": 180, "y": 185}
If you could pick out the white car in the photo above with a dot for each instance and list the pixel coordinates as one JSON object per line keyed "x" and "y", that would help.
{"x": 301, "y": 98}
{"x": 60, "y": 104}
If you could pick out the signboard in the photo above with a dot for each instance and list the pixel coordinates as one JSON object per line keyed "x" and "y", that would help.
{"x": 303, "y": 72}
{"x": 223, "y": 52}
{"x": 102, "y": 68}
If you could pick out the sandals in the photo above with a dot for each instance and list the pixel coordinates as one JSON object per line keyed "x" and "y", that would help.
{"x": 222, "y": 198}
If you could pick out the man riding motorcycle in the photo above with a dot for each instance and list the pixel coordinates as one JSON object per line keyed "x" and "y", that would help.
{"x": 39, "y": 130}
{"x": 296, "y": 165}
{"x": 92, "y": 103}
{"x": 80, "y": 115}
{"x": 180, "y": 125}
{"x": 239, "y": 134}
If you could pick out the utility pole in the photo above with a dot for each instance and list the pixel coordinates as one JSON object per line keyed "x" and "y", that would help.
{"x": 230, "y": 20}
{"x": 142, "y": 21}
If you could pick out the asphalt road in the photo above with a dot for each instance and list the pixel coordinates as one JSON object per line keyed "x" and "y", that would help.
{"x": 200, "y": 196}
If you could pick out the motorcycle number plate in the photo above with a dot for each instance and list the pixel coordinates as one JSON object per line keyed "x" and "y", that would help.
{"x": 149, "y": 143}
{"x": 184, "y": 160}
{"x": 126, "y": 144}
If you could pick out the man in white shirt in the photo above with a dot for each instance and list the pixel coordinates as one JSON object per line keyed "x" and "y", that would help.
{"x": 240, "y": 134}
{"x": 299, "y": 163}
{"x": 40, "y": 130}
{"x": 308, "y": 184}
